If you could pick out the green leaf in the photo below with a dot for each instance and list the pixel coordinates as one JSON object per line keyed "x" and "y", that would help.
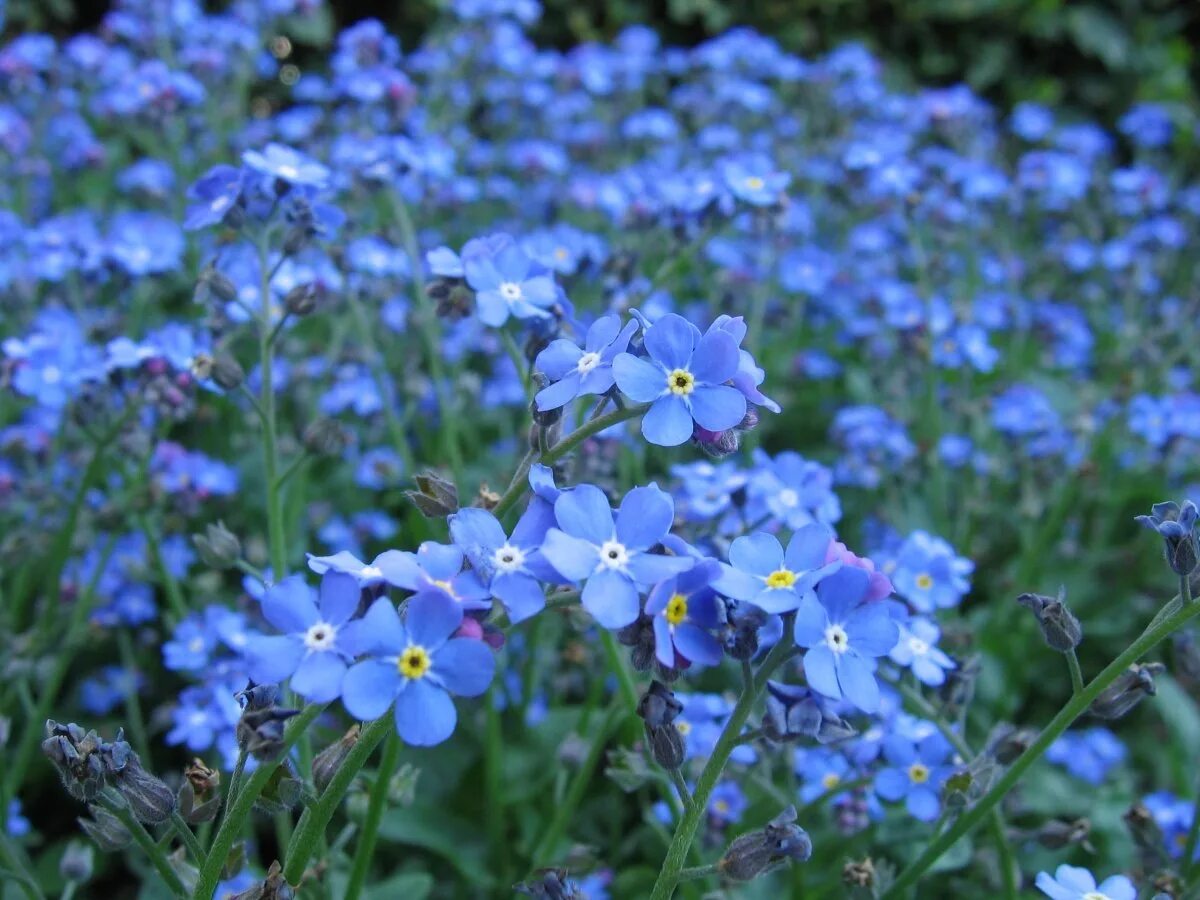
{"x": 1098, "y": 34}
{"x": 409, "y": 885}
{"x": 439, "y": 832}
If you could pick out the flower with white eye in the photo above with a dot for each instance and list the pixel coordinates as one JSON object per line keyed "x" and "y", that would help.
{"x": 917, "y": 650}
{"x": 511, "y": 568}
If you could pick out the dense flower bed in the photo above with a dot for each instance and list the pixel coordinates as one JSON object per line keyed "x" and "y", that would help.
{"x": 487, "y": 398}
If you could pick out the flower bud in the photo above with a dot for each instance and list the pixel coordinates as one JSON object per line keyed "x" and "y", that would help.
{"x": 149, "y": 798}
{"x": 260, "y": 729}
{"x": 325, "y": 437}
{"x": 1127, "y": 691}
{"x": 1176, "y": 525}
{"x": 639, "y": 638}
{"x": 659, "y": 706}
{"x": 1059, "y": 833}
{"x": 217, "y": 284}
{"x": 859, "y": 874}
{"x": 326, "y": 763}
{"x": 666, "y": 746}
{"x": 1006, "y": 742}
{"x": 109, "y": 833}
{"x": 218, "y": 547}
{"x": 76, "y": 863}
{"x": 550, "y": 884}
{"x": 759, "y": 852}
{"x": 741, "y": 640}
{"x": 273, "y": 887}
{"x": 1144, "y": 829}
{"x": 1060, "y": 628}
{"x": 301, "y": 300}
{"x": 795, "y": 712}
{"x": 435, "y": 497}
{"x": 227, "y": 372}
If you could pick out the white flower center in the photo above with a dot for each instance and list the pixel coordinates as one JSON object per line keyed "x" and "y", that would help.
{"x": 51, "y": 375}
{"x": 917, "y": 646}
{"x": 508, "y": 558}
{"x": 789, "y": 498}
{"x": 287, "y": 171}
{"x": 196, "y": 645}
{"x": 510, "y": 291}
{"x": 320, "y": 637}
{"x": 836, "y": 639}
{"x": 371, "y": 572}
{"x": 587, "y": 362}
{"x": 613, "y": 555}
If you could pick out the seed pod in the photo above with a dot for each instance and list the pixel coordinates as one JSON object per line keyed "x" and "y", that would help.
{"x": 435, "y": 497}
{"x": 1127, "y": 691}
{"x": 218, "y": 547}
{"x": 778, "y": 843}
{"x": 1060, "y": 628}
{"x": 326, "y": 763}
{"x": 666, "y": 746}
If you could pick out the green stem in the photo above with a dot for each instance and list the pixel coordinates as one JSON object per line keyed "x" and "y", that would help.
{"x": 188, "y": 838}
{"x": 685, "y": 796}
{"x": 1175, "y": 615}
{"x": 685, "y": 830}
{"x": 370, "y": 828}
{"x": 133, "y": 706}
{"x": 169, "y": 583}
{"x": 239, "y": 769}
{"x": 315, "y": 818}
{"x": 11, "y": 856}
{"x": 266, "y": 404}
{"x": 518, "y": 484}
{"x": 1076, "y": 672}
{"x": 696, "y": 872}
{"x": 1185, "y": 589}
{"x": 238, "y": 811}
{"x": 493, "y": 779}
{"x": 142, "y": 838}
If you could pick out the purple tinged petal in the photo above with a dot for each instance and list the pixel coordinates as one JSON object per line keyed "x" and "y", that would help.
{"x": 611, "y": 598}
{"x": 573, "y": 558}
{"x": 425, "y": 714}
{"x": 716, "y": 358}
{"x": 319, "y": 677}
{"x": 585, "y": 513}
{"x": 431, "y": 619}
{"x": 639, "y": 380}
{"x": 670, "y": 341}
{"x": 645, "y": 515}
{"x": 271, "y": 659}
{"x": 340, "y": 595}
{"x": 668, "y": 422}
{"x": 369, "y": 687}
{"x": 289, "y": 605}
{"x": 821, "y": 672}
{"x": 465, "y": 666}
{"x": 718, "y": 407}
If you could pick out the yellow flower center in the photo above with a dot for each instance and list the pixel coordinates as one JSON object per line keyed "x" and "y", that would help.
{"x": 754, "y": 183}
{"x": 414, "y": 662}
{"x": 681, "y": 382}
{"x": 683, "y": 727}
{"x": 1095, "y": 895}
{"x": 781, "y": 578}
{"x": 447, "y": 587}
{"x": 676, "y": 610}
{"x": 918, "y": 773}
{"x": 721, "y": 806}
{"x": 830, "y": 781}
{"x": 924, "y": 581}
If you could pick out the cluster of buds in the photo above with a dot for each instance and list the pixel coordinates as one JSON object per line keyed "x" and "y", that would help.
{"x": 88, "y": 764}
{"x": 260, "y": 729}
{"x": 658, "y": 708}
{"x": 794, "y": 712}
{"x": 550, "y": 884}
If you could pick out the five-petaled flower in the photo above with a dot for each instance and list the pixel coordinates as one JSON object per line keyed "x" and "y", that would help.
{"x": 761, "y": 572}
{"x": 512, "y": 567}
{"x": 577, "y": 371}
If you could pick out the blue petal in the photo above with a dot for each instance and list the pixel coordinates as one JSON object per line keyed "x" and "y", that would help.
{"x": 378, "y": 632}
{"x": 697, "y": 644}
{"x": 664, "y": 646}
{"x": 737, "y": 584}
{"x": 573, "y": 558}
{"x": 668, "y": 422}
{"x": 521, "y": 595}
{"x": 431, "y": 619}
{"x": 585, "y": 513}
{"x": 602, "y": 333}
{"x": 811, "y": 622}
{"x": 808, "y": 548}
{"x": 369, "y": 688}
{"x": 611, "y": 598}
{"x": 425, "y": 714}
{"x": 559, "y": 358}
{"x": 478, "y": 534}
{"x": 639, "y": 380}
{"x": 400, "y": 569}
{"x": 651, "y": 568}
{"x": 440, "y": 561}
{"x": 842, "y": 591}
{"x": 342, "y": 561}
{"x": 718, "y": 407}
{"x": 560, "y": 393}
{"x": 492, "y": 308}
{"x": 891, "y": 784}
{"x": 758, "y": 553}
{"x": 289, "y": 605}
{"x": 821, "y": 672}
{"x": 670, "y": 341}
{"x": 857, "y": 679}
{"x": 340, "y": 594}
{"x": 271, "y": 659}
{"x": 645, "y": 515}
{"x": 872, "y": 631}
{"x": 319, "y": 677}
{"x": 465, "y": 666}
{"x": 716, "y": 358}
{"x": 922, "y": 804}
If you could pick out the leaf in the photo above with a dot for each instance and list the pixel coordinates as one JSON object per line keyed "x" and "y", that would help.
{"x": 439, "y": 832}
{"x": 1098, "y": 34}
{"x": 409, "y": 885}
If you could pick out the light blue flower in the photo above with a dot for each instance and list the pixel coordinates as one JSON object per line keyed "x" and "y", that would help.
{"x": 1077, "y": 883}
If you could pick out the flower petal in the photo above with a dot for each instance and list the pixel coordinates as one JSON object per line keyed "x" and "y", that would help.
{"x": 425, "y": 714}
{"x": 289, "y": 605}
{"x": 340, "y": 594}
{"x": 716, "y": 358}
{"x": 611, "y": 598}
{"x": 670, "y": 341}
{"x": 645, "y": 515}
{"x": 821, "y": 673}
{"x": 271, "y": 659}
{"x": 585, "y": 513}
{"x": 668, "y": 422}
{"x": 431, "y": 618}
{"x": 369, "y": 688}
{"x": 573, "y": 558}
{"x": 639, "y": 380}
{"x": 718, "y": 407}
{"x": 319, "y": 677}
{"x": 378, "y": 632}
{"x": 465, "y": 666}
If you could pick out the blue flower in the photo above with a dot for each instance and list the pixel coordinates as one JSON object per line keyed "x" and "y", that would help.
{"x": 512, "y": 568}
{"x": 1089, "y": 755}
{"x": 576, "y": 371}
{"x": 287, "y": 165}
{"x": 1077, "y": 883}
{"x": 915, "y": 773}
{"x": 844, "y": 635}
{"x": 15, "y": 824}
{"x": 755, "y": 180}
{"x": 726, "y": 804}
{"x": 416, "y": 664}
{"x": 434, "y": 569}
{"x": 916, "y": 649}
{"x": 761, "y": 572}
{"x": 314, "y": 647}
{"x": 820, "y": 771}
{"x": 612, "y": 556}
{"x": 683, "y": 380}
{"x": 507, "y": 282}
{"x": 929, "y": 574}
{"x": 685, "y": 610}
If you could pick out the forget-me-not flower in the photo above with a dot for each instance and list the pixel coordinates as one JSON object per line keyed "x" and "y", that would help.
{"x": 761, "y": 572}
{"x": 576, "y": 371}
{"x": 512, "y": 567}
{"x": 1077, "y": 883}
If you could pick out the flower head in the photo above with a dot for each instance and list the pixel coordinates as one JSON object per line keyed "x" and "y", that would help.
{"x": 1177, "y": 526}
{"x": 761, "y": 572}
{"x": 507, "y": 282}
{"x": 512, "y": 567}
{"x": 1077, "y": 883}
{"x": 576, "y": 371}
{"x": 685, "y": 611}
{"x": 914, "y": 773}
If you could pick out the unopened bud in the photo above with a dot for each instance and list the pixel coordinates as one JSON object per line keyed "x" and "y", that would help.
{"x": 260, "y": 729}
{"x": 435, "y": 497}
{"x": 301, "y": 300}
{"x": 1127, "y": 691}
{"x": 218, "y": 547}
{"x": 327, "y": 763}
{"x": 859, "y": 874}
{"x": 1059, "y": 833}
{"x": 795, "y": 712}
{"x": 1006, "y": 742}
{"x": 1176, "y": 525}
{"x": 109, "y": 833}
{"x": 1060, "y": 628}
{"x": 550, "y": 884}
{"x": 227, "y": 373}
{"x": 149, "y": 798}
{"x": 273, "y": 887}
{"x": 777, "y": 844}
{"x": 77, "y": 862}
{"x": 659, "y": 706}
{"x": 325, "y": 437}
{"x": 219, "y": 285}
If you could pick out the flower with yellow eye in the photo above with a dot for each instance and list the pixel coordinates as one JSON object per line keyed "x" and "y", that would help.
{"x": 761, "y": 572}
{"x": 686, "y": 611}
{"x": 915, "y": 773}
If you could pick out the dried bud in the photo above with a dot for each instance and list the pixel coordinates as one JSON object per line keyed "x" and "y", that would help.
{"x": 202, "y": 367}
{"x": 273, "y": 887}
{"x": 326, "y": 763}
{"x": 301, "y": 300}
{"x": 227, "y": 373}
{"x": 435, "y": 497}
{"x": 218, "y": 547}
{"x": 194, "y": 813}
{"x": 859, "y": 874}
{"x": 1144, "y": 829}
{"x": 1060, "y": 628}
{"x": 795, "y": 712}
{"x": 77, "y": 862}
{"x": 325, "y": 437}
{"x": 1127, "y": 691}
{"x": 659, "y": 706}
{"x": 759, "y": 852}
{"x": 109, "y": 833}
{"x": 550, "y": 884}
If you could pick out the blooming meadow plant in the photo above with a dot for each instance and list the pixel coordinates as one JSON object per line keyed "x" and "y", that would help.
{"x": 477, "y": 469}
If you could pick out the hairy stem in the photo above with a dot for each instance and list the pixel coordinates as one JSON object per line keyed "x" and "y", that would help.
{"x": 146, "y": 844}
{"x": 370, "y": 828}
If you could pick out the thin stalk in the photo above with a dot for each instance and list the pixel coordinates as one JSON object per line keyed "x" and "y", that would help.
{"x": 315, "y": 819}
{"x": 11, "y": 856}
{"x": 239, "y": 769}
{"x": 266, "y": 404}
{"x": 238, "y": 811}
{"x": 1076, "y": 672}
{"x": 1174, "y": 616}
{"x": 146, "y": 844}
{"x": 518, "y": 486}
{"x": 188, "y": 837}
{"x": 685, "y": 830}
{"x": 370, "y": 828}
{"x": 133, "y": 705}
{"x": 493, "y": 779}
{"x": 685, "y": 796}
{"x": 696, "y": 872}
